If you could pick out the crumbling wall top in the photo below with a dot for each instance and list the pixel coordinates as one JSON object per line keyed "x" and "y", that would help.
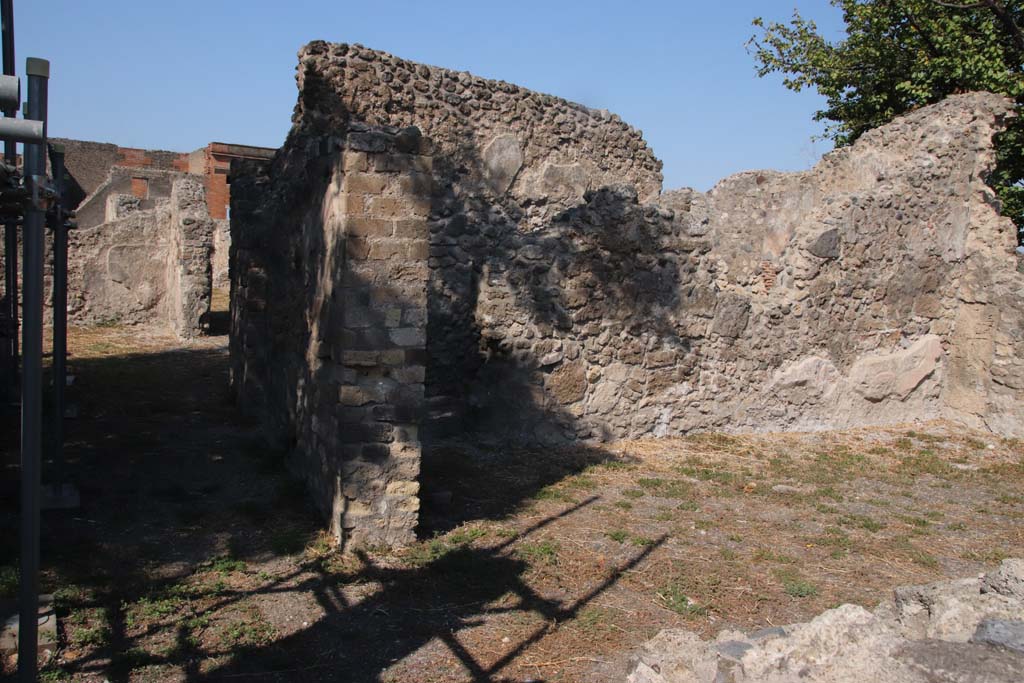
{"x": 495, "y": 138}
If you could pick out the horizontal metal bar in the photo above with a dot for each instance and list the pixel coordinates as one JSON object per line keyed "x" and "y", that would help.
{"x": 22, "y": 130}
{"x": 10, "y": 93}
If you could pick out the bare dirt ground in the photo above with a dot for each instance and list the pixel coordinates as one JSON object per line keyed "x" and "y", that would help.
{"x": 195, "y": 556}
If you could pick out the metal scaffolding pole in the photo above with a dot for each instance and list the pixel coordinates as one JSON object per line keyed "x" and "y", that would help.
{"x": 60, "y": 318}
{"x": 11, "y": 226}
{"x": 38, "y": 72}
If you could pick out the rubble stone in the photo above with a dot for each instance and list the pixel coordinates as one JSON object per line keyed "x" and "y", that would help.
{"x": 905, "y": 640}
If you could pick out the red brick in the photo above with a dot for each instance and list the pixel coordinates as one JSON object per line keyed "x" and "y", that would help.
{"x": 140, "y": 188}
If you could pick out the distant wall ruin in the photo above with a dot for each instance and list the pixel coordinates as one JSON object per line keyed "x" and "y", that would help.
{"x": 145, "y": 237}
{"x": 145, "y": 265}
{"x": 567, "y": 298}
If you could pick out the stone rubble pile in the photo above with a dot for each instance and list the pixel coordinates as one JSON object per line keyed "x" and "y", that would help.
{"x": 958, "y": 631}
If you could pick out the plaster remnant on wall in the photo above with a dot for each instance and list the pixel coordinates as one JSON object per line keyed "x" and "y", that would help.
{"x": 145, "y": 265}
{"x": 502, "y": 159}
{"x": 899, "y": 373}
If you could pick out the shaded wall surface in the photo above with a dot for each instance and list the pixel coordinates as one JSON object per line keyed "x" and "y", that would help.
{"x": 507, "y": 162}
{"x": 329, "y": 318}
{"x": 568, "y": 298}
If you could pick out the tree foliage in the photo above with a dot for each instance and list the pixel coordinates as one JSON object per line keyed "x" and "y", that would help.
{"x": 902, "y": 54}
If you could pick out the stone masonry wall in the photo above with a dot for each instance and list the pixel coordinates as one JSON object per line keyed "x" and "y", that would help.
{"x": 221, "y": 252}
{"x": 507, "y": 160}
{"x": 880, "y": 287}
{"x": 492, "y": 138}
{"x": 189, "y": 275}
{"x": 737, "y": 307}
{"x": 144, "y": 265}
{"x": 528, "y": 281}
{"x": 89, "y": 163}
{"x": 329, "y": 277}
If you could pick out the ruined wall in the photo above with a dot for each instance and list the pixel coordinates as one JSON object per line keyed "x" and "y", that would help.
{"x": 726, "y": 292}
{"x": 492, "y": 138}
{"x": 144, "y": 265}
{"x": 888, "y": 271}
{"x": 136, "y": 209}
{"x": 879, "y": 287}
{"x": 507, "y": 161}
{"x": 190, "y": 259}
{"x": 89, "y": 164}
{"x": 147, "y": 185}
{"x": 329, "y": 262}
{"x": 565, "y": 298}
{"x": 221, "y": 254}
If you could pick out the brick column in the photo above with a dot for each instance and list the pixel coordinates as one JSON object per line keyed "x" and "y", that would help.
{"x": 384, "y": 201}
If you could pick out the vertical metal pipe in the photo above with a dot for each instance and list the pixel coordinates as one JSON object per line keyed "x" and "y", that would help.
{"x": 11, "y": 226}
{"x": 7, "y": 17}
{"x": 38, "y": 71}
{"x": 60, "y": 317}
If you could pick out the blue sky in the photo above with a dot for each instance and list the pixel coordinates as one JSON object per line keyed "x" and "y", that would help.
{"x": 178, "y": 74}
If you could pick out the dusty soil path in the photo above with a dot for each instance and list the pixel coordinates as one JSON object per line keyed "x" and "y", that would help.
{"x": 195, "y": 556}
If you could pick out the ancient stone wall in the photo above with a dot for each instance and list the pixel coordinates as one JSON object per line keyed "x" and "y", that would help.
{"x": 879, "y": 287}
{"x": 146, "y": 185}
{"x": 492, "y": 138}
{"x": 89, "y": 164}
{"x": 507, "y": 161}
{"x": 144, "y": 265}
{"x": 190, "y": 259}
{"x": 888, "y": 271}
{"x": 567, "y": 299}
{"x": 125, "y": 201}
{"x": 329, "y": 262}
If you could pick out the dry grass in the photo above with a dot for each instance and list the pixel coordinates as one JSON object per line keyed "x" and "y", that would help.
{"x": 196, "y": 557}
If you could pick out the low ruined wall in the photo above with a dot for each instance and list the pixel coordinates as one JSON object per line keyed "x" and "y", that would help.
{"x": 888, "y": 272}
{"x": 879, "y": 287}
{"x": 125, "y": 182}
{"x": 522, "y": 277}
{"x": 329, "y": 319}
{"x": 144, "y": 265}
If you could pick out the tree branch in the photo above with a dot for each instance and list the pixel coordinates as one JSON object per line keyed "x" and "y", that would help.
{"x": 1003, "y": 14}
{"x": 929, "y": 45}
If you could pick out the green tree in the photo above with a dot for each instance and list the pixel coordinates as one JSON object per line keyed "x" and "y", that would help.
{"x": 902, "y": 54}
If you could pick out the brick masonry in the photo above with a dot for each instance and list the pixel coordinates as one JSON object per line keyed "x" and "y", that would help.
{"x": 333, "y": 353}
{"x": 90, "y": 165}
